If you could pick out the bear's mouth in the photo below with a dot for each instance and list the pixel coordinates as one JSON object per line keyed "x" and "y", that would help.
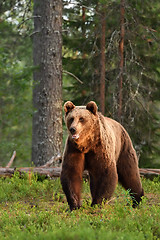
{"x": 75, "y": 136}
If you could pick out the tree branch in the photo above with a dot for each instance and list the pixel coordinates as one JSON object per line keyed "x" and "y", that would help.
{"x": 11, "y": 160}
{"x": 72, "y": 75}
{"x": 25, "y": 20}
{"x": 52, "y": 161}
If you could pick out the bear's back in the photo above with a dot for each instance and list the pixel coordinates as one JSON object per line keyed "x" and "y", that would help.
{"x": 113, "y": 131}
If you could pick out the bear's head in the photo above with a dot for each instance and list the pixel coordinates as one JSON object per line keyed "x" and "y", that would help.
{"x": 80, "y": 121}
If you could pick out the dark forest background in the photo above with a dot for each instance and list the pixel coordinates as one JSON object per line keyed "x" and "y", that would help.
{"x": 124, "y": 82}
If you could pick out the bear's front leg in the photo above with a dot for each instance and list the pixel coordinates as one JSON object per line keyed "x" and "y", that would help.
{"x": 71, "y": 178}
{"x": 103, "y": 183}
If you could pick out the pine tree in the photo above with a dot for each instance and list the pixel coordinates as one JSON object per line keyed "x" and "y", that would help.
{"x": 47, "y": 92}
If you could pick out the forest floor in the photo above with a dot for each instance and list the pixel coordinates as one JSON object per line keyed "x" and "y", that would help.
{"x": 34, "y": 209}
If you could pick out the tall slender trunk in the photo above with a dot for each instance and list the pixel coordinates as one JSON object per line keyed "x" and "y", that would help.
{"x": 47, "y": 91}
{"x": 83, "y": 28}
{"x": 83, "y": 20}
{"x": 121, "y": 52}
{"x": 102, "y": 61}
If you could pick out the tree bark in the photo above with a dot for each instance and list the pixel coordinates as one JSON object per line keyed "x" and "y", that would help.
{"x": 47, "y": 89}
{"x": 102, "y": 61}
{"x": 121, "y": 52}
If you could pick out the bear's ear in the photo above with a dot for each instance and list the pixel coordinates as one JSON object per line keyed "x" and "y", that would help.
{"x": 68, "y": 106}
{"x": 92, "y": 107}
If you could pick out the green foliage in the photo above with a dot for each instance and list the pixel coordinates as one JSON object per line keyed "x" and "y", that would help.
{"x": 29, "y": 209}
{"x": 141, "y": 77}
{"x": 15, "y": 93}
{"x": 81, "y": 57}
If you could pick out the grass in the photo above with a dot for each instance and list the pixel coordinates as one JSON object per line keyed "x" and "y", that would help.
{"x": 32, "y": 209}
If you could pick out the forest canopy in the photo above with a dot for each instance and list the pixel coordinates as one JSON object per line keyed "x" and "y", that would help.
{"x": 82, "y": 27}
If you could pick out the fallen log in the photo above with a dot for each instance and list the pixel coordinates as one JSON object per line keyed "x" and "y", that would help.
{"x": 48, "y": 172}
{"x": 53, "y": 172}
{"x": 149, "y": 172}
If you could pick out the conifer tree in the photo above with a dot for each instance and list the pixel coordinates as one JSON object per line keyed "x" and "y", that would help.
{"x": 47, "y": 89}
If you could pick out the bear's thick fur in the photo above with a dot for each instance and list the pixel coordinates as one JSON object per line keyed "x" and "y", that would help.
{"x": 101, "y": 146}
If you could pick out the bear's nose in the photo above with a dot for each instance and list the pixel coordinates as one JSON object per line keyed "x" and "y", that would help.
{"x": 72, "y": 130}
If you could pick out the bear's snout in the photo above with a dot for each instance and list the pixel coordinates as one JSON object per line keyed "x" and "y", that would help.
{"x": 75, "y": 135}
{"x": 72, "y": 130}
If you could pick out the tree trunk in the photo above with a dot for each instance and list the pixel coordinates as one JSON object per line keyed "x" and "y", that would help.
{"x": 83, "y": 20}
{"x": 47, "y": 90}
{"x": 121, "y": 52}
{"x": 102, "y": 62}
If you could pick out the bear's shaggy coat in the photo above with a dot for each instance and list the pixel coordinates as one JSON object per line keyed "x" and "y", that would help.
{"x": 101, "y": 146}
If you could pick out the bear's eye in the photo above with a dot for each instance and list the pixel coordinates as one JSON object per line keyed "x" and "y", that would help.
{"x": 71, "y": 120}
{"x": 81, "y": 119}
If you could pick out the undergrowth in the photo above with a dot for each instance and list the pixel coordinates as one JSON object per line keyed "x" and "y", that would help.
{"x": 33, "y": 209}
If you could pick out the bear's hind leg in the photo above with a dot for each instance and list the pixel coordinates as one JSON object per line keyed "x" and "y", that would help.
{"x": 129, "y": 177}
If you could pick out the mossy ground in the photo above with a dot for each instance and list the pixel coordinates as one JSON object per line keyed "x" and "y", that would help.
{"x": 33, "y": 209}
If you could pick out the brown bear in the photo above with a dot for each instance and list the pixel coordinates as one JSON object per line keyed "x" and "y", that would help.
{"x": 103, "y": 147}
